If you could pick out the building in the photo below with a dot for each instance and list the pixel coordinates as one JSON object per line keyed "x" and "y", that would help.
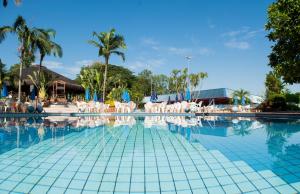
{"x": 58, "y": 87}
{"x": 218, "y": 95}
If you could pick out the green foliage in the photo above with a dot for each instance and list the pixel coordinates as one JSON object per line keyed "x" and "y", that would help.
{"x": 115, "y": 94}
{"x": 3, "y": 73}
{"x": 273, "y": 84}
{"x": 41, "y": 80}
{"x": 240, "y": 94}
{"x": 92, "y": 77}
{"x": 277, "y": 101}
{"x": 293, "y": 98}
{"x": 283, "y": 25}
{"x": 160, "y": 83}
{"x": 108, "y": 43}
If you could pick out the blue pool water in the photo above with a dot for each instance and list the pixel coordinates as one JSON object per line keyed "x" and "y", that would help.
{"x": 149, "y": 155}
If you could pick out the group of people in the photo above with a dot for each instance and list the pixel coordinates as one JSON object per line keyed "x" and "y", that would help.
{"x": 29, "y": 106}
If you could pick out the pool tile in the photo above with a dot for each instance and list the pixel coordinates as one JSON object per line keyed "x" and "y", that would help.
{"x": 107, "y": 186}
{"x": 211, "y": 182}
{"x": 39, "y": 189}
{"x": 275, "y": 181}
{"x": 225, "y": 180}
{"x": 246, "y": 187}
{"x": 56, "y": 190}
{"x": 8, "y": 185}
{"x": 152, "y": 187}
{"x": 137, "y": 187}
{"x": 167, "y": 186}
{"x": 23, "y": 187}
{"x": 218, "y": 190}
{"x": 231, "y": 189}
{"x": 77, "y": 184}
{"x": 286, "y": 189}
{"x": 92, "y": 185}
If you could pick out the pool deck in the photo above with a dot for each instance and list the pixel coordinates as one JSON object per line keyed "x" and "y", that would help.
{"x": 294, "y": 115}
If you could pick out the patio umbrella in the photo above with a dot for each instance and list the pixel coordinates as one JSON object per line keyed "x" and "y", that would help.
{"x": 243, "y": 101}
{"x": 87, "y": 94}
{"x": 169, "y": 100}
{"x": 95, "y": 97}
{"x": 128, "y": 96}
{"x": 153, "y": 97}
{"x": 4, "y": 92}
{"x": 32, "y": 93}
{"x": 188, "y": 95}
{"x": 176, "y": 98}
{"x": 124, "y": 95}
{"x": 182, "y": 96}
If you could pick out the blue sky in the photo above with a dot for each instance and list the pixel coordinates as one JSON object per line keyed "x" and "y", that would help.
{"x": 226, "y": 39}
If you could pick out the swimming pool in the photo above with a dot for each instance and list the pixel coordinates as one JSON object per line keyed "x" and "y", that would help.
{"x": 149, "y": 155}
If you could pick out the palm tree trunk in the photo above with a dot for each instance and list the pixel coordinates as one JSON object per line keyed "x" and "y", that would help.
{"x": 105, "y": 78}
{"x": 39, "y": 76}
{"x": 20, "y": 80}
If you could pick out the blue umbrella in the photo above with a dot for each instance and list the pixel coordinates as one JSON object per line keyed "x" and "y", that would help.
{"x": 125, "y": 96}
{"x": 128, "y": 96}
{"x": 169, "y": 100}
{"x": 32, "y": 93}
{"x": 182, "y": 96}
{"x": 95, "y": 97}
{"x": 176, "y": 98}
{"x": 153, "y": 97}
{"x": 87, "y": 94}
{"x": 188, "y": 95}
{"x": 243, "y": 101}
{"x": 4, "y": 92}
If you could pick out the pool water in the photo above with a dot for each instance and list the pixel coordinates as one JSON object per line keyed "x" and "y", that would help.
{"x": 149, "y": 155}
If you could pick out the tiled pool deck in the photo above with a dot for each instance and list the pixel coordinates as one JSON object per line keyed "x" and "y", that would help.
{"x": 130, "y": 160}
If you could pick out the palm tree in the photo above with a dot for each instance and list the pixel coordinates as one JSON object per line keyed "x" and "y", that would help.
{"x": 46, "y": 46}
{"x": 41, "y": 80}
{"x": 175, "y": 79}
{"x": 2, "y": 74}
{"x": 241, "y": 93}
{"x": 27, "y": 37}
{"x": 194, "y": 81}
{"x": 108, "y": 43}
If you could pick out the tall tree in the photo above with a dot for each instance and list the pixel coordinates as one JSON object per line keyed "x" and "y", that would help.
{"x": 273, "y": 84}
{"x": 283, "y": 25}
{"x": 46, "y": 46}
{"x": 241, "y": 93}
{"x": 27, "y": 38}
{"x": 3, "y": 73}
{"x": 175, "y": 80}
{"x": 108, "y": 43}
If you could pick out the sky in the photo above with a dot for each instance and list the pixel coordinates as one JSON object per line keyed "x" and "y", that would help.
{"x": 226, "y": 39}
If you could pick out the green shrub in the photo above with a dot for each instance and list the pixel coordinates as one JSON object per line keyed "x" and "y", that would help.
{"x": 277, "y": 102}
{"x": 292, "y": 98}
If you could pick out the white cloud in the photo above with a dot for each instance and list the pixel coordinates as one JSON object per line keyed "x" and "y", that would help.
{"x": 179, "y": 51}
{"x": 143, "y": 63}
{"x": 149, "y": 41}
{"x": 237, "y": 44}
{"x": 85, "y": 62}
{"x": 53, "y": 64}
{"x": 239, "y": 39}
{"x": 190, "y": 52}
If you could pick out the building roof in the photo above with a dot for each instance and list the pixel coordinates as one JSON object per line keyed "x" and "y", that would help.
{"x": 72, "y": 84}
